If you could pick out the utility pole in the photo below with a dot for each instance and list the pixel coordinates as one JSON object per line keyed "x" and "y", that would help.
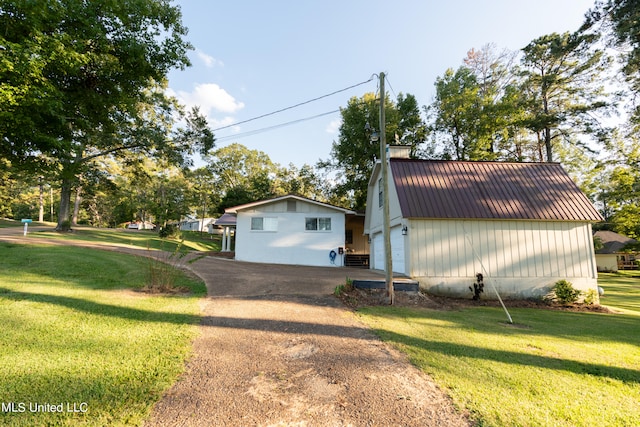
{"x": 386, "y": 226}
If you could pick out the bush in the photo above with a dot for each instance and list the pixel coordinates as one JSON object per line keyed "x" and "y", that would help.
{"x": 591, "y": 297}
{"x": 564, "y": 293}
{"x": 162, "y": 271}
{"x": 171, "y": 232}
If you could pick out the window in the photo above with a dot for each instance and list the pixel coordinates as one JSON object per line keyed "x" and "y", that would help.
{"x": 264, "y": 224}
{"x": 317, "y": 224}
{"x": 380, "y": 198}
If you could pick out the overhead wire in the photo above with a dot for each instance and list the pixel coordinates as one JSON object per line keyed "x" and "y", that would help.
{"x": 266, "y": 129}
{"x": 390, "y": 87}
{"x": 294, "y": 106}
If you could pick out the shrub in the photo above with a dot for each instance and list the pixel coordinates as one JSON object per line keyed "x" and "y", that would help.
{"x": 170, "y": 231}
{"x": 591, "y": 297}
{"x": 564, "y": 293}
{"x": 162, "y": 271}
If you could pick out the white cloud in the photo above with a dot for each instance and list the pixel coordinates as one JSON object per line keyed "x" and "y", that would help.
{"x": 208, "y": 60}
{"x": 334, "y": 126}
{"x": 210, "y": 98}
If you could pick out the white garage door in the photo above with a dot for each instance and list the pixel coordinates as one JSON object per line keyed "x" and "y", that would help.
{"x": 397, "y": 250}
{"x": 377, "y": 244}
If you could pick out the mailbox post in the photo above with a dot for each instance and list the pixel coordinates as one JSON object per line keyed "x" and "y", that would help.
{"x": 26, "y": 222}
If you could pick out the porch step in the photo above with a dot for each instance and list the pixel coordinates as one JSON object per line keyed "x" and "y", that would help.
{"x": 356, "y": 260}
{"x": 398, "y": 284}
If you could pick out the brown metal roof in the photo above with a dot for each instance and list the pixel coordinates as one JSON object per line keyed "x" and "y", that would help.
{"x": 489, "y": 190}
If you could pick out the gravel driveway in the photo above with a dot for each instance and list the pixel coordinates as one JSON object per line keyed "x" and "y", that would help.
{"x": 277, "y": 349}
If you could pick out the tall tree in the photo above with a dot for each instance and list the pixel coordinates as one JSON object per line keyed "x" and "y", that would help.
{"x": 562, "y": 78}
{"x": 354, "y": 154}
{"x": 83, "y": 79}
{"x": 455, "y": 115}
{"x": 243, "y": 175}
{"x": 475, "y": 113}
{"x": 619, "y": 20}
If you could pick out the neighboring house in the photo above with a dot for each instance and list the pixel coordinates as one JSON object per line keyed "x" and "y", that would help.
{"x": 140, "y": 225}
{"x": 196, "y": 224}
{"x": 290, "y": 230}
{"x": 524, "y": 226}
{"x": 612, "y": 257}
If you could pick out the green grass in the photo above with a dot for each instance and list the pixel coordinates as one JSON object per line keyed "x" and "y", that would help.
{"x": 554, "y": 369}
{"x": 621, "y": 290}
{"x": 73, "y": 331}
{"x": 191, "y": 241}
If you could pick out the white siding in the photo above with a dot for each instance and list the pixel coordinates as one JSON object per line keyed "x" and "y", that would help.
{"x": 519, "y": 256}
{"x": 291, "y": 243}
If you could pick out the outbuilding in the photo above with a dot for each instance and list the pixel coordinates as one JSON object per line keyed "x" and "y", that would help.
{"x": 290, "y": 230}
{"x": 524, "y": 226}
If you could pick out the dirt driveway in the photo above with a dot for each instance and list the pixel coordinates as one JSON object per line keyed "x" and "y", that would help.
{"x": 277, "y": 349}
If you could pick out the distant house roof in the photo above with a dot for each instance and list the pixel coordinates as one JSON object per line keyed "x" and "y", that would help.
{"x": 235, "y": 209}
{"x": 489, "y": 190}
{"x": 612, "y": 242}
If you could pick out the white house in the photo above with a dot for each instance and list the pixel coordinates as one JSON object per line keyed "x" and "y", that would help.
{"x": 196, "y": 224}
{"x": 290, "y": 230}
{"x": 613, "y": 256}
{"x": 524, "y": 226}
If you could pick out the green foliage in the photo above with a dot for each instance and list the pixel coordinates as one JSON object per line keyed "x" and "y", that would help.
{"x": 354, "y": 154}
{"x": 563, "y": 292}
{"x": 561, "y": 77}
{"x": 619, "y": 20}
{"x": 78, "y": 89}
{"x": 626, "y": 221}
{"x": 170, "y": 231}
{"x": 591, "y": 297}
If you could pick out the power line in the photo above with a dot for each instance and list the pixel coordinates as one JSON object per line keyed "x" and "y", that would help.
{"x": 390, "y": 87}
{"x": 266, "y": 129}
{"x": 294, "y": 106}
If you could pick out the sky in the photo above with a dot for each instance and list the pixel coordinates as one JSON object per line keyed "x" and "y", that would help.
{"x": 255, "y": 57}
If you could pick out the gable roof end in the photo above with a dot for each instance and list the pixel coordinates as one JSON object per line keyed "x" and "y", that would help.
{"x": 236, "y": 209}
{"x": 489, "y": 190}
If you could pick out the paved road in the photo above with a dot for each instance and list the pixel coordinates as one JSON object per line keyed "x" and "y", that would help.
{"x": 277, "y": 349}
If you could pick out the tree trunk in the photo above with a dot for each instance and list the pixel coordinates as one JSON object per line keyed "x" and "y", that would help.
{"x": 65, "y": 205}
{"x": 41, "y": 202}
{"x": 76, "y": 206}
{"x": 68, "y": 178}
{"x": 547, "y": 143}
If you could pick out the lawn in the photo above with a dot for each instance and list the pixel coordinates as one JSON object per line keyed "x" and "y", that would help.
{"x": 76, "y": 335}
{"x": 551, "y": 368}
{"x": 147, "y": 239}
